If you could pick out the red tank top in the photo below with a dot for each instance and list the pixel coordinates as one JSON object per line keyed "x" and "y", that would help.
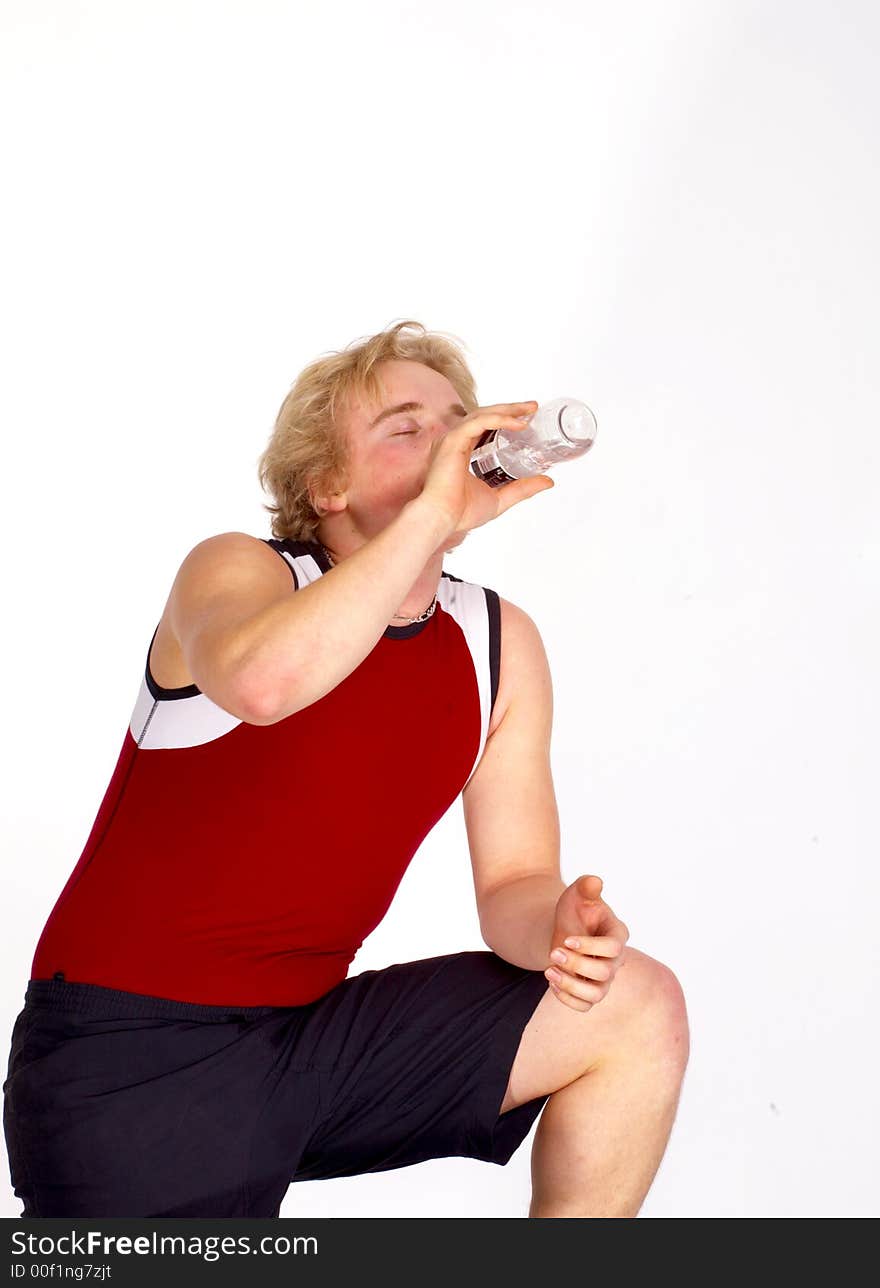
{"x": 242, "y": 864}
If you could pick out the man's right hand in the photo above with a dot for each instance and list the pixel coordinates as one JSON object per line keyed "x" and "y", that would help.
{"x": 452, "y": 487}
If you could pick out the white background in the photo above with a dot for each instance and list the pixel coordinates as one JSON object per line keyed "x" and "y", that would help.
{"x": 668, "y": 210}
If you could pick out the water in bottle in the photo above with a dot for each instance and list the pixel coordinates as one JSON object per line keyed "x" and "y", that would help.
{"x": 558, "y": 431}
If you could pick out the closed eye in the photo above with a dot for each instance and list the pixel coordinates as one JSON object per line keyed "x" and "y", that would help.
{"x": 399, "y": 432}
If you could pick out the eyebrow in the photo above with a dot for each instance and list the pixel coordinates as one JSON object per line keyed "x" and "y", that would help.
{"x": 410, "y": 406}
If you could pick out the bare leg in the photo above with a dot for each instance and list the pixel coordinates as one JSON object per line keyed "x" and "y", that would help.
{"x": 600, "y": 1140}
{"x": 615, "y": 1073}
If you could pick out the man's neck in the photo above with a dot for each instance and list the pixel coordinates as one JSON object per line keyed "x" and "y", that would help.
{"x": 420, "y": 595}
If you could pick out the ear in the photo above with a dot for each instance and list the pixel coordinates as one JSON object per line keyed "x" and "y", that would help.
{"x": 325, "y": 501}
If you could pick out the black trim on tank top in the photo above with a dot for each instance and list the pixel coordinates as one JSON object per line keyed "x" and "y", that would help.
{"x": 193, "y": 690}
{"x": 316, "y": 550}
{"x": 157, "y": 691}
{"x": 493, "y": 608}
{"x": 278, "y": 544}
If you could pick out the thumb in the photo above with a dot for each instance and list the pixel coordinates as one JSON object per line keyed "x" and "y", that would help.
{"x": 522, "y": 489}
{"x": 590, "y": 888}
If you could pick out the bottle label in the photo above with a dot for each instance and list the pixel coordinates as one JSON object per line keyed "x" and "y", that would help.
{"x": 485, "y": 463}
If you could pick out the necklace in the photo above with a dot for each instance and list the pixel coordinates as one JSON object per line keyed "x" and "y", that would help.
{"x": 408, "y": 620}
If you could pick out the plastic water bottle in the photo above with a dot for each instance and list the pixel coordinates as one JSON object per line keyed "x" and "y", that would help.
{"x": 558, "y": 431}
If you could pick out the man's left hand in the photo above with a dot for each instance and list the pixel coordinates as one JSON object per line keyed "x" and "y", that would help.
{"x": 597, "y": 948}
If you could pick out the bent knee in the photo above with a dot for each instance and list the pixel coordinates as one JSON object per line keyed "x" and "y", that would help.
{"x": 654, "y": 996}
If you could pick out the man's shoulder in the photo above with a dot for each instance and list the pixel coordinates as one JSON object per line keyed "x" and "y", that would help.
{"x": 523, "y": 665}
{"x": 516, "y": 618}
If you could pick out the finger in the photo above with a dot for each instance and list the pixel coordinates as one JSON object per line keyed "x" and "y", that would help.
{"x": 573, "y": 1003}
{"x": 599, "y": 918}
{"x": 511, "y": 493}
{"x": 616, "y": 929}
{"x": 591, "y": 891}
{"x": 516, "y": 414}
{"x": 604, "y": 920}
{"x": 515, "y": 407}
{"x": 594, "y": 945}
{"x": 480, "y": 424}
{"x": 574, "y": 986}
{"x": 597, "y": 968}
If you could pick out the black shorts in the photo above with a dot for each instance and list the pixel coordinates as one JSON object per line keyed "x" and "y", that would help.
{"x": 121, "y": 1104}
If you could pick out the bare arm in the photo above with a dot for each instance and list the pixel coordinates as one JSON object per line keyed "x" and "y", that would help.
{"x": 300, "y": 647}
{"x": 262, "y": 652}
{"x": 510, "y": 806}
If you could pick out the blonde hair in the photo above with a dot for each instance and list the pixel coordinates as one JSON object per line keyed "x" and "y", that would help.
{"x": 307, "y": 450}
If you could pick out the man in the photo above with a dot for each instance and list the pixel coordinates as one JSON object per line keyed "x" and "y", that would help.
{"x": 292, "y": 744}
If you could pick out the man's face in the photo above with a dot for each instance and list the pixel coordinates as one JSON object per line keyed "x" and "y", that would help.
{"x": 389, "y": 454}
